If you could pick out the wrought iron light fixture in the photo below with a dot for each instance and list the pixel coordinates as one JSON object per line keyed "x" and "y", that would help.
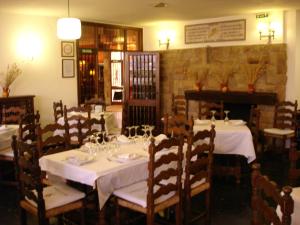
{"x": 167, "y": 43}
{"x": 68, "y": 28}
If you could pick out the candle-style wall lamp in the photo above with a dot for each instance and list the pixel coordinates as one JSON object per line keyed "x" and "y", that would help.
{"x": 166, "y": 43}
{"x": 266, "y": 27}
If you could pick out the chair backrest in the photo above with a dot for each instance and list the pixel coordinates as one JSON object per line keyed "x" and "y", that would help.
{"x": 266, "y": 197}
{"x": 89, "y": 127}
{"x": 205, "y": 109}
{"x": 294, "y": 170}
{"x": 49, "y": 140}
{"x": 28, "y": 174}
{"x": 58, "y": 110}
{"x": 285, "y": 115}
{"x": 12, "y": 114}
{"x": 178, "y": 105}
{"x": 177, "y": 125}
{"x": 164, "y": 165}
{"x": 27, "y": 126}
{"x": 199, "y": 158}
{"x": 254, "y": 125}
{"x": 84, "y": 110}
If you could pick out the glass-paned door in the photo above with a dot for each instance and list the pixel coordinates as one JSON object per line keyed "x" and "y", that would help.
{"x": 117, "y": 77}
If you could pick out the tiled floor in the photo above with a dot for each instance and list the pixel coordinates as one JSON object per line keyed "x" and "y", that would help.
{"x": 230, "y": 202}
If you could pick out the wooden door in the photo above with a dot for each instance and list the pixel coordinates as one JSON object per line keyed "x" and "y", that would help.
{"x": 142, "y": 99}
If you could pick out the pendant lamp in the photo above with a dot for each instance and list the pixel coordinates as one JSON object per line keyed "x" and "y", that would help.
{"x": 68, "y": 28}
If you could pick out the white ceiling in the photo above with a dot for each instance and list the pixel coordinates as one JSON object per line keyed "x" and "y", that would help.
{"x": 141, "y": 12}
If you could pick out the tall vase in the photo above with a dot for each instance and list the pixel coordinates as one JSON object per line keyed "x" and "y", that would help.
{"x": 251, "y": 88}
{"x": 224, "y": 87}
{"x": 5, "y": 92}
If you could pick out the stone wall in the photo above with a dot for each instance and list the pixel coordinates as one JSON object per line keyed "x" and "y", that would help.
{"x": 181, "y": 69}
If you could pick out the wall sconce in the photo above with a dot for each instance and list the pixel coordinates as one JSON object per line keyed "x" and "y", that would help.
{"x": 166, "y": 43}
{"x": 29, "y": 46}
{"x": 266, "y": 31}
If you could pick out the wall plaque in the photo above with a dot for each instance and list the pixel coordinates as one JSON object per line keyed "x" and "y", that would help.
{"x": 234, "y": 30}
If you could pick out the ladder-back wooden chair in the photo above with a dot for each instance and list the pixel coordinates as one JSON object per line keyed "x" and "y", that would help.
{"x": 163, "y": 187}
{"x": 198, "y": 172}
{"x": 266, "y": 197}
{"x": 205, "y": 109}
{"x": 178, "y": 105}
{"x": 58, "y": 110}
{"x": 254, "y": 126}
{"x": 294, "y": 170}
{"x": 284, "y": 125}
{"x": 43, "y": 202}
{"x": 177, "y": 125}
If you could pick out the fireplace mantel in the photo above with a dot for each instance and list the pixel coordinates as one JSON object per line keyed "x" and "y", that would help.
{"x": 235, "y": 97}
{"x": 236, "y": 101}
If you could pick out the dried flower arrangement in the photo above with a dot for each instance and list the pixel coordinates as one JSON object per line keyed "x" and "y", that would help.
{"x": 201, "y": 76}
{"x": 254, "y": 69}
{"x": 11, "y": 75}
{"x": 223, "y": 72}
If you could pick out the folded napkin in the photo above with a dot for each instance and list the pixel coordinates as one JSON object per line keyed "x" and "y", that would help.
{"x": 123, "y": 139}
{"x": 124, "y": 157}
{"x": 3, "y": 127}
{"x": 160, "y": 137}
{"x": 201, "y": 122}
{"x": 237, "y": 122}
{"x": 79, "y": 160}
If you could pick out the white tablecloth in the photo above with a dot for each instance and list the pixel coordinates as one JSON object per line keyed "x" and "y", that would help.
{"x": 6, "y": 131}
{"x": 108, "y": 175}
{"x": 231, "y": 138}
{"x": 110, "y": 121}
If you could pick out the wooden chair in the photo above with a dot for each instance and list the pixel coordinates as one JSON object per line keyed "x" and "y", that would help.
{"x": 294, "y": 170}
{"x": 58, "y": 110}
{"x": 162, "y": 189}
{"x": 198, "y": 171}
{"x": 178, "y": 105}
{"x": 177, "y": 125}
{"x": 266, "y": 197}
{"x": 254, "y": 127}
{"x": 205, "y": 109}
{"x": 43, "y": 202}
{"x": 95, "y": 101}
{"x": 284, "y": 125}
{"x": 27, "y": 127}
{"x": 12, "y": 114}
{"x": 50, "y": 140}
{"x": 77, "y": 110}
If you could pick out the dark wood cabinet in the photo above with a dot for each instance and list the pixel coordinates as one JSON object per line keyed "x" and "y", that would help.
{"x": 142, "y": 91}
{"x": 96, "y": 40}
{"x": 25, "y": 101}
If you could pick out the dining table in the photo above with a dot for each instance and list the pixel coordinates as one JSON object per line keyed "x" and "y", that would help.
{"x": 6, "y": 132}
{"x": 232, "y": 137}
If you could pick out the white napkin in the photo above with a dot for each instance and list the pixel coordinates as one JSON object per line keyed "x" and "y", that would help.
{"x": 124, "y": 157}
{"x": 123, "y": 139}
{"x": 160, "y": 137}
{"x": 237, "y": 122}
{"x": 98, "y": 108}
{"x": 3, "y": 127}
{"x": 201, "y": 122}
{"x": 79, "y": 160}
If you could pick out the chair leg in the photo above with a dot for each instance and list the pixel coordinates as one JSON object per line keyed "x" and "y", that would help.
{"x": 82, "y": 216}
{"x": 150, "y": 218}
{"x": 178, "y": 214}
{"x": 23, "y": 217}
{"x": 187, "y": 210}
{"x": 207, "y": 206}
{"x": 118, "y": 219}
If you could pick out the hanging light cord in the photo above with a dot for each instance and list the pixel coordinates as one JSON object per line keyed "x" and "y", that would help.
{"x": 68, "y": 8}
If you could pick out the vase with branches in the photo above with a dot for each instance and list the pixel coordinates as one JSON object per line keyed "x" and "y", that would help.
{"x": 223, "y": 73}
{"x": 9, "y": 77}
{"x": 254, "y": 69}
{"x": 201, "y": 77}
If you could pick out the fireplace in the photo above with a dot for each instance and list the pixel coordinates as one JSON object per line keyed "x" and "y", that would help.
{"x": 239, "y": 103}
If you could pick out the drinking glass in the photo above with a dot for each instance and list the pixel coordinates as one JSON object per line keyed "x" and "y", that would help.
{"x": 151, "y": 128}
{"x": 226, "y": 120}
{"x": 213, "y": 119}
{"x": 129, "y": 132}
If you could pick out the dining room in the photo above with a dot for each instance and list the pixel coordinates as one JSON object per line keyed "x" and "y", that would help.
{"x": 146, "y": 95}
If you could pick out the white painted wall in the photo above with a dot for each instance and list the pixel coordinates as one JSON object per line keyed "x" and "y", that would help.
{"x": 42, "y": 76}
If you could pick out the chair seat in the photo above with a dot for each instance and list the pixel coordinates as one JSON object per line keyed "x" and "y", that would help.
{"x": 137, "y": 193}
{"x": 7, "y": 154}
{"x": 279, "y": 132}
{"x": 59, "y": 195}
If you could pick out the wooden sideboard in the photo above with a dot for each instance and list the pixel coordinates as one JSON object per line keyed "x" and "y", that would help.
{"x": 25, "y": 101}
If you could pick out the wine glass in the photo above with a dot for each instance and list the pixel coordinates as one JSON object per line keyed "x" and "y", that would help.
{"x": 213, "y": 119}
{"x": 135, "y": 131}
{"x": 151, "y": 128}
{"x": 129, "y": 131}
{"x": 226, "y": 120}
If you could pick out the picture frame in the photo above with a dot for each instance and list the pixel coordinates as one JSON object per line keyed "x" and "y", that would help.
{"x": 67, "y": 49}
{"x": 68, "y": 68}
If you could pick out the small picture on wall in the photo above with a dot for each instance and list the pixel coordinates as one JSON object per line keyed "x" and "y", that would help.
{"x": 68, "y": 68}
{"x": 67, "y": 49}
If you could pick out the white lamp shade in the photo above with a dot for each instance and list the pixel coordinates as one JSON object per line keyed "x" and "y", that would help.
{"x": 68, "y": 28}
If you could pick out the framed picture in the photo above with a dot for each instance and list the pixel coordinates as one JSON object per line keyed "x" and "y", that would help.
{"x": 67, "y": 49}
{"x": 68, "y": 67}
